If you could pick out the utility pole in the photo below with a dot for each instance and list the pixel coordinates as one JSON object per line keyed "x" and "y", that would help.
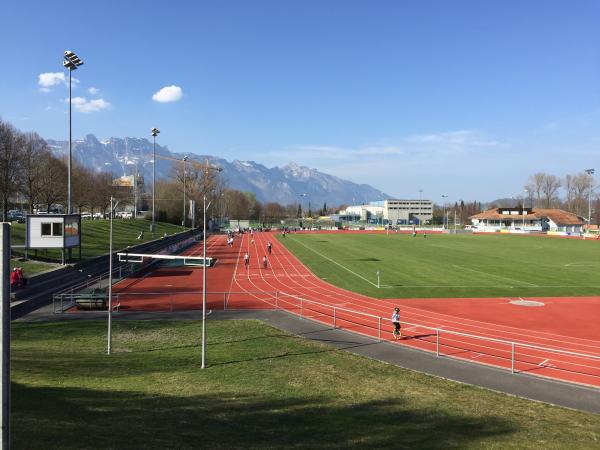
{"x": 5, "y": 343}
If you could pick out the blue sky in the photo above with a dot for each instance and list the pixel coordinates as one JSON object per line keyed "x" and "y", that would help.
{"x": 465, "y": 98}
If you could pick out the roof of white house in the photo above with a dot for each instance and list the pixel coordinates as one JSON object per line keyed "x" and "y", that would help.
{"x": 558, "y": 216}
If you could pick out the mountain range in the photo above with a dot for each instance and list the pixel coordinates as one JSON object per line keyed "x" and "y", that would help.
{"x": 125, "y": 156}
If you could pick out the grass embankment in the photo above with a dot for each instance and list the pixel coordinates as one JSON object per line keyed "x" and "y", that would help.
{"x": 451, "y": 265}
{"x": 262, "y": 388}
{"x": 32, "y": 267}
{"x": 94, "y": 236}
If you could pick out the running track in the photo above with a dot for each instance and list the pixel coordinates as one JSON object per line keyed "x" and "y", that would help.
{"x": 565, "y": 324}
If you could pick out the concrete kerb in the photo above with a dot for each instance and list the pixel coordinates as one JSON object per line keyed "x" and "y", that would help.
{"x": 520, "y": 385}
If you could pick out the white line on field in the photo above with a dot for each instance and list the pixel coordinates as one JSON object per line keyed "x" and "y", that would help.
{"x": 543, "y": 362}
{"x": 335, "y": 262}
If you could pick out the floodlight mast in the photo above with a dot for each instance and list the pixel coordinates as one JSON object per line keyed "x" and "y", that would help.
{"x": 185, "y": 158}
{"x": 444, "y": 197}
{"x": 590, "y": 172}
{"x": 154, "y": 132}
{"x": 71, "y": 62}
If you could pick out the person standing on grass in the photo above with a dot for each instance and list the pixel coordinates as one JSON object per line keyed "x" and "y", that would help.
{"x": 246, "y": 260}
{"x": 396, "y": 322}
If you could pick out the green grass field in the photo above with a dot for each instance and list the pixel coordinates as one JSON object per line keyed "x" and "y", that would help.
{"x": 452, "y": 265}
{"x": 263, "y": 388}
{"x": 94, "y": 236}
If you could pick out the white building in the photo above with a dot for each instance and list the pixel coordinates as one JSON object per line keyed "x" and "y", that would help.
{"x": 527, "y": 219}
{"x": 394, "y": 212}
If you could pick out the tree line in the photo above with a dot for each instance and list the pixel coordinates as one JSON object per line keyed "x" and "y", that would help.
{"x": 28, "y": 168}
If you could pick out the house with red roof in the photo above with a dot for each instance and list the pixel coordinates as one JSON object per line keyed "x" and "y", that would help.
{"x": 527, "y": 220}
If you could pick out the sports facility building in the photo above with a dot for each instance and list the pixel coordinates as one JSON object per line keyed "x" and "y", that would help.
{"x": 527, "y": 219}
{"x": 390, "y": 212}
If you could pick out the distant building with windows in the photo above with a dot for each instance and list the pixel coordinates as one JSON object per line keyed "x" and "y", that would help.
{"x": 527, "y": 219}
{"x": 390, "y": 212}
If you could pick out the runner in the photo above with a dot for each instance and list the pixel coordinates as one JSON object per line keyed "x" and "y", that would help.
{"x": 396, "y": 322}
{"x": 265, "y": 263}
{"x": 246, "y": 260}
{"x": 269, "y": 247}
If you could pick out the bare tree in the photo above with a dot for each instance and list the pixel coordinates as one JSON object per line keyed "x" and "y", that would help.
{"x": 51, "y": 190}
{"x": 535, "y": 185}
{"x": 550, "y": 186}
{"x": 569, "y": 188}
{"x": 34, "y": 152}
{"x": 11, "y": 164}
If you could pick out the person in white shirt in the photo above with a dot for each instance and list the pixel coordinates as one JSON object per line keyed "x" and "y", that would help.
{"x": 246, "y": 260}
{"x": 396, "y": 322}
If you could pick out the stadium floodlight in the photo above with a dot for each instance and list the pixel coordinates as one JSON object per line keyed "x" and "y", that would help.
{"x": 154, "y": 132}
{"x": 71, "y": 62}
{"x": 444, "y": 197}
{"x": 185, "y": 158}
{"x": 420, "y": 207}
{"x": 525, "y": 192}
{"x": 304, "y": 194}
{"x": 590, "y": 172}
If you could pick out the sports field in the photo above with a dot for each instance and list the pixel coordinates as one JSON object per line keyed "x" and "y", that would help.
{"x": 451, "y": 265}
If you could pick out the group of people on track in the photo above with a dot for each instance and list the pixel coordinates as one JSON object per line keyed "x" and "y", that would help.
{"x": 265, "y": 261}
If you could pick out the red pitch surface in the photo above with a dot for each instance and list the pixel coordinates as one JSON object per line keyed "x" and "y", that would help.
{"x": 559, "y": 340}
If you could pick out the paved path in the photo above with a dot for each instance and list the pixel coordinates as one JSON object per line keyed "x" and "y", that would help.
{"x": 521, "y": 385}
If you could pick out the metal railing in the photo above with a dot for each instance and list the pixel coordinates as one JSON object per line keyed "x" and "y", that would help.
{"x": 62, "y": 298}
{"x": 581, "y": 363}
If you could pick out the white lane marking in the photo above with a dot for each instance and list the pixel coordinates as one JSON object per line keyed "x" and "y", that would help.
{"x": 335, "y": 262}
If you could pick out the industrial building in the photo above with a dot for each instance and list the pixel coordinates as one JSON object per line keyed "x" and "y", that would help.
{"x": 390, "y": 212}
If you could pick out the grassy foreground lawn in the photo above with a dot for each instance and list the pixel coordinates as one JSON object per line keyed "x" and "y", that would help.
{"x": 451, "y": 265}
{"x": 263, "y": 388}
{"x": 94, "y": 236}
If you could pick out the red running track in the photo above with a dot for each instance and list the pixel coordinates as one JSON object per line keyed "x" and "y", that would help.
{"x": 545, "y": 337}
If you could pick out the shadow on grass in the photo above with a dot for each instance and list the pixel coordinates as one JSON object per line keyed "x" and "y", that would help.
{"x": 82, "y": 418}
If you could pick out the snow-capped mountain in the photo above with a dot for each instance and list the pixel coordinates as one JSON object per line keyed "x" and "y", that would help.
{"x": 123, "y": 156}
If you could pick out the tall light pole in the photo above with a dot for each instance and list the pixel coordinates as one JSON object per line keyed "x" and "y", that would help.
{"x": 71, "y": 62}
{"x": 444, "y": 197}
{"x": 183, "y": 218}
{"x": 420, "y": 206}
{"x": 154, "y": 132}
{"x": 304, "y": 194}
{"x": 590, "y": 172}
{"x": 205, "y": 207}
{"x": 113, "y": 206}
{"x": 525, "y": 191}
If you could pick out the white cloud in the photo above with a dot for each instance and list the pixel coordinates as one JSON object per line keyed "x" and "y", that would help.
{"x": 83, "y": 105}
{"x": 168, "y": 94}
{"x": 49, "y": 80}
{"x": 462, "y": 138}
{"x": 93, "y": 90}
